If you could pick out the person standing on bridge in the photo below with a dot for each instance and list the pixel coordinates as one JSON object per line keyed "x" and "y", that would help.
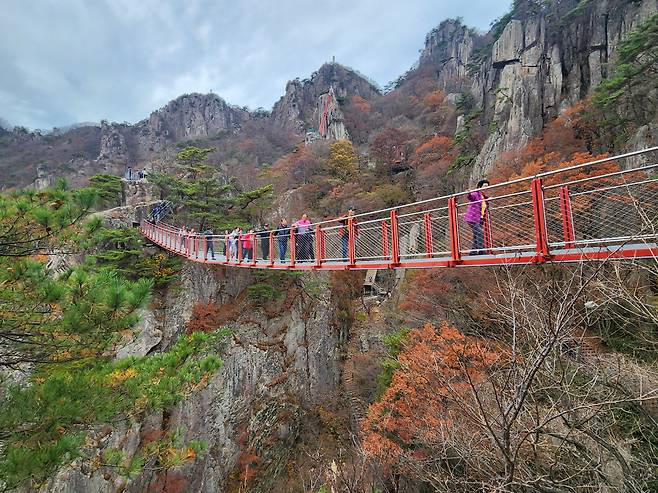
{"x": 344, "y": 233}
{"x": 282, "y": 234}
{"x": 182, "y": 232}
{"x": 233, "y": 243}
{"x": 304, "y": 239}
{"x": 189, "y": 241}
{"x": 264, "y": 236}
{"x": 476, "y": 215}
{"x": 247, "y": 244}
{"x": 210, "y": 247}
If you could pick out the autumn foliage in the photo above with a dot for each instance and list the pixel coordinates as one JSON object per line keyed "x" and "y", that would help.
{"x": 206, "y": 317}
{"x": 560, "y": 146}
{"x": 418, "y": 416}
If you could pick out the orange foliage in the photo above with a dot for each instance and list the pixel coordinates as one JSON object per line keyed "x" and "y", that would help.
{"x": 361, "y": 104}
{"x": 559, "y": 146}
{"x": 388, "y": 145}
{"x": 206, "y": 317}
{"x": 434, "y": 99}
{"x": 422, "y": 406}
{"x": 299, "y": 166}
{"x": 434, "y": 149}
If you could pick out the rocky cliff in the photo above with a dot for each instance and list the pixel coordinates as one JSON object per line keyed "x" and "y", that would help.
{"x": 538, "y": 60}
{"x": 298, "y": 108}
{"x": 280, "y": 362}
{"x": 190, "y": 116}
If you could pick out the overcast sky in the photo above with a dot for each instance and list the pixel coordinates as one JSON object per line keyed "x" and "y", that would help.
{"x": 67, "y": 61}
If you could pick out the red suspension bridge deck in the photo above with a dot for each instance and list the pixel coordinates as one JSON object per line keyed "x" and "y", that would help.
{"x": 593, "y": 211}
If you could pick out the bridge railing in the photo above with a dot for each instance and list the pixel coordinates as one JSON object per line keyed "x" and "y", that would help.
{"x": 592, "y": 210}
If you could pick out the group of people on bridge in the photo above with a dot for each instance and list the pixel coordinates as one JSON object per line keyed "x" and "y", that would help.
{"x": 245, "y": 245}
{"x": 250, "y": 244}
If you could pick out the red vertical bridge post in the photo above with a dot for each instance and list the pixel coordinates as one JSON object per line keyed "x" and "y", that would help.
{"x": 453, "y": 230}
{"x": 540, "y": 220}
{"x": 568, "y": 232}
{"x": 385, "y": 240}
{"x": 427, "y": 226}
{"x": 271, "y": 240}
{"x": 351, "y": 242}
{"x": 323, "y": 250}
{"x": 395, "y": 240}
{"x": 319, "y": 253}
{"x": 293, "y": 252}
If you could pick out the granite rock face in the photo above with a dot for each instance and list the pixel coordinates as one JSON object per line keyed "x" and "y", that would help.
{"x": 448, "y": 51}
{"x": 114, "y": 149}
{"x": 297, "y": 110}
{"x": 330, "y": 118}
{"x": 187, "y": 117}
{"x": 276, "y": 368}
{"x": 538, "y": 66}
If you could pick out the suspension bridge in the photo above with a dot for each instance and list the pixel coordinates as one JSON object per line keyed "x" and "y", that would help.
{"x": 603, "y": 209}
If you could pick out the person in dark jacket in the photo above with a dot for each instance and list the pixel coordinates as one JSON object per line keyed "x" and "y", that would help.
{"x": 343, "y": 232}
{"x": 210, "y": 247}
{"x": 282, "y": 234}
{"x": 264, "y": 236}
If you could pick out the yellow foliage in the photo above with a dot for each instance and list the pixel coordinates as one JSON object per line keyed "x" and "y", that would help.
{"x": 62, "y": 355}
{"x": 343, "y": 159}
{"x": 117, "y": 377}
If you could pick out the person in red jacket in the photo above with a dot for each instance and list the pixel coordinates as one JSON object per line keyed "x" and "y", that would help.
{"x": 247, "y": 240}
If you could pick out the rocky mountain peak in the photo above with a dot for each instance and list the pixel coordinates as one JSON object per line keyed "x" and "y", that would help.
{"x": 448, "y": 51}
{"x": 189, "y": 116}
{"x": 297, "y": 108}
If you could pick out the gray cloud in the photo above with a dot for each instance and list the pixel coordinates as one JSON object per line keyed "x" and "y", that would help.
{"x": 66, "y": 61}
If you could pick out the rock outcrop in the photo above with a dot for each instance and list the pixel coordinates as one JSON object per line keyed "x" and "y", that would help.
{"x": 543, "y": 61}
{"x": 298, "y": 108}
{"x": 44, "y": 178}
{"x": 190, "y": 116}
{"x": 448, "y": 51}
{"x": 540, "y": 66}
{"x": 330, "y": 119}
{"x": 113, "y": 147}
{"x": 277, "y": 367}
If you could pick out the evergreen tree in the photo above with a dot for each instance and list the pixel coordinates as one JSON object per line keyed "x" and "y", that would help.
{"x": 108, "y": 188}
{"x": 30, "y": 221}
{"x": 207, "y": 200}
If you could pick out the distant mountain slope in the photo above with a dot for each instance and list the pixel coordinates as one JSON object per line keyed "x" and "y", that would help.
{"x": 502, "y": 87}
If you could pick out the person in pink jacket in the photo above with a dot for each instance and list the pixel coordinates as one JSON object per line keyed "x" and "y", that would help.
{"x": 475, "y": 216}
{"x": 303, "y": 239}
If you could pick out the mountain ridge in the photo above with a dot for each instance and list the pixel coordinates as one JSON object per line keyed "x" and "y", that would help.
{"x": 536, "y": 61}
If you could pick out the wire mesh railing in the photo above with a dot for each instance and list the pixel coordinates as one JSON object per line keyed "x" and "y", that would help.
{"x": 594, "y": 210}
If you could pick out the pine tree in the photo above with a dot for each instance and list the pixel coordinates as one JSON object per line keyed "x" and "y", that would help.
{"x": 207, "y": 200}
